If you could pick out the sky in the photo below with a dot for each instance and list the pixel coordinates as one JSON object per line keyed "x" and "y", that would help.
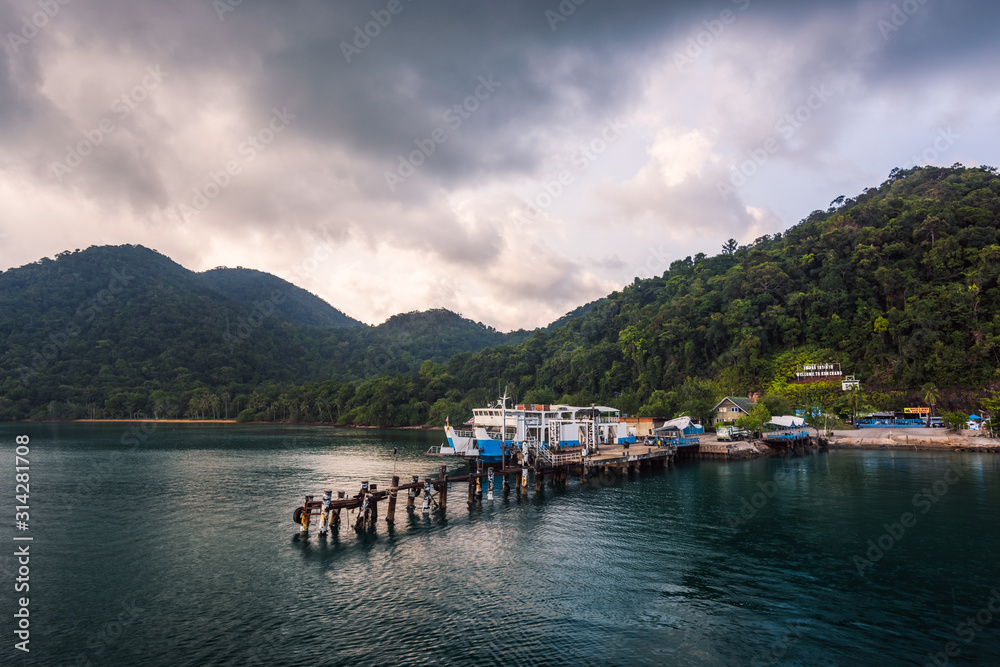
{"x": 509, "y": 160}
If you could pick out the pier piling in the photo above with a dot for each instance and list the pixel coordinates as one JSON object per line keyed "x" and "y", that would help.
{"x": 555, "y": 468}
{"x": 390, "y": 516}
{"x": 411, "y": 495}
{"x": 443, "y": 488}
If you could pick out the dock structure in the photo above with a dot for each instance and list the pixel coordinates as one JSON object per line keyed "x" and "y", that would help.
{"x": 484, "y": 478}
{"x": 727, "y": 450}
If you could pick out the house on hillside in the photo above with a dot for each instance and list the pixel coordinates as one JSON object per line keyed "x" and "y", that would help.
{"x": 731, "y": 408}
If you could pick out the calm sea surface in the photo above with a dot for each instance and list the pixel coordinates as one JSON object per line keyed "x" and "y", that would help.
{"x": 180, "y": 550}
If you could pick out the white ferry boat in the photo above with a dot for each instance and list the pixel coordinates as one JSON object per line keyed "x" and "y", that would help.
{"x": 553, "y": 427}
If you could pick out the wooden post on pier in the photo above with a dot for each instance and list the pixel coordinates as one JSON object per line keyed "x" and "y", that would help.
{"x": 472, "y": 483}
{"x": 506, "y": 485}
{"x": 336, "y": 513}
{"x": 305, "y": 514}
{"x": 443, "y": 488}
{"x": 390, "y": 516}
{"x": 539, "y": 480}
{"x": 411, "y": 495}
{"x": 479, "y": 480}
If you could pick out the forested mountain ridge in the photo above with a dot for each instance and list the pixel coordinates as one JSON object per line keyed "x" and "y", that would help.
{"x": 245, "y": 286}
{"x": 898, "y": 284}
{"x": 115, "y": 329}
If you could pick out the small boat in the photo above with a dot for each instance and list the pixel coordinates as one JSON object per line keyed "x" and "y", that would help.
{"x": 531, "y": 427}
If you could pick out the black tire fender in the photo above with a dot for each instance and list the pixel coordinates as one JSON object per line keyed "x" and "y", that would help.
{"x": 297, "y": 516}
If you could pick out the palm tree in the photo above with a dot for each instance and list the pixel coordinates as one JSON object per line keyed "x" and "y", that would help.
{"x": 853, "y": 398}
{"x": 930, "y": 394}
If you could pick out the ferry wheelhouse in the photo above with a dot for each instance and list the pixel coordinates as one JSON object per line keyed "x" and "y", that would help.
{"x": 557, "y": 428}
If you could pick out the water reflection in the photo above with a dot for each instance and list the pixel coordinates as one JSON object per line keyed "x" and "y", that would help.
{"x": 647, "y": 571}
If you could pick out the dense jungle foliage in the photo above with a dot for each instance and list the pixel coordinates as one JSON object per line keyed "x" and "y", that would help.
{"x": 899, "y": 285}
{"x": 123, "y": 331}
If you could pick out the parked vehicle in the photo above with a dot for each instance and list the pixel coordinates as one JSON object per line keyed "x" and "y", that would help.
{"x": 729, "y": 433}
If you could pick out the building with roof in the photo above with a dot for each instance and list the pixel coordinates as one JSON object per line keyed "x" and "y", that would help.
{"x": 731, "y": 408}
{"x": 681, "y": 431}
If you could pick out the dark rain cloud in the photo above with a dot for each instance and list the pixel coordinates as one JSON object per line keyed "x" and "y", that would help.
{"x": 361, "y": 102}
{"x": 559, "y": 64}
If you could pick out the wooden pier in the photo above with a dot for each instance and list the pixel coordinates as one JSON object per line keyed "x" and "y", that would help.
{"x": 502, "y": 477}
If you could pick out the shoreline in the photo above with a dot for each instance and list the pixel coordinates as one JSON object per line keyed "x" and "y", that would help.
{"x": 862, "y": 439}
{"x": 230, "y": 421}
{"x": 913, "y": 440}
{"x": 993, "y": 447}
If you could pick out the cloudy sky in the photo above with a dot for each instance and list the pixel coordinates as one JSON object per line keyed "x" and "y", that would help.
{"x": 506, "y": 159}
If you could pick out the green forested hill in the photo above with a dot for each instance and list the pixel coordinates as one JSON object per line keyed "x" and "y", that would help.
{"x": 898, "y": 284}
{"x": 121, "y": 330}
{"x": 245, "y": 286}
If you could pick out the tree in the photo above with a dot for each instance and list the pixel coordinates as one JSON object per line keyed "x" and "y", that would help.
{"x": 854, "y": 398}
{"x": 660, "y": 404}
{"x": 755, "y": 420}
{"x": 956, "y": 421}
{"x": 991, "y": 405}
{"x": 696, "y": 398}
{"x": 777, "y": 404}
{"x": 929, "y": 392}
{"x": 633, "y": 346}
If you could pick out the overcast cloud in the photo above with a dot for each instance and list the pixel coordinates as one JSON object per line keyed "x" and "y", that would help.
{"x": 509, "y": 160}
